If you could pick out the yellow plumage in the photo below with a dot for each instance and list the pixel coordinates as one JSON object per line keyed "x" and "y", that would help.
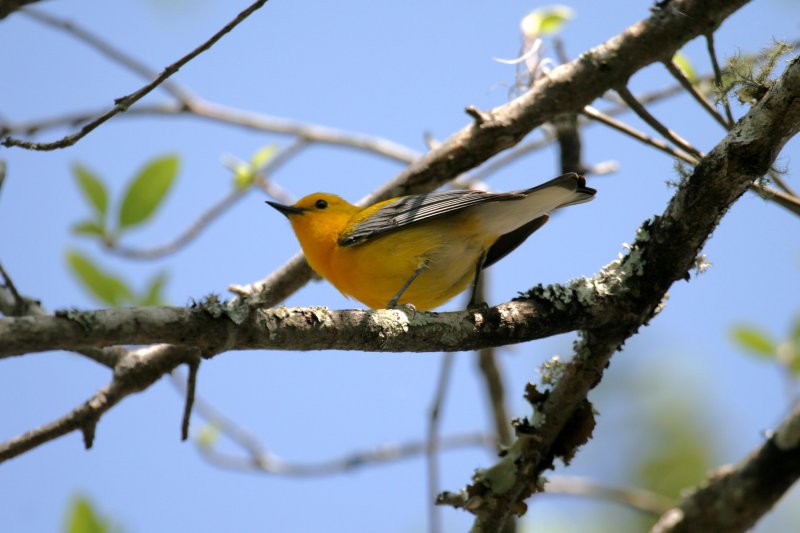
{"x": 434, "y": 243}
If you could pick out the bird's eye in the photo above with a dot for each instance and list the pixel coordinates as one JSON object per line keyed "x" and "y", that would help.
{"x": 321, "y": 204}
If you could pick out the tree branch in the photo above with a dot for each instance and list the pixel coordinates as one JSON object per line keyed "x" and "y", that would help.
{"x": 108, "y": 50}
{"x": 701, "y": 99}
{"x": 125, "y": 102}
{"x": 733, "y": 498}
{"x": 134, "y": 373}
{"x": 9, "y": 6}
{"x": 567, "y": 88}
{"x": 635, "y": 498}
{"x": 215, "y": 328}
{"x": 654, "y": 123}
{"x": 664, "y": 252}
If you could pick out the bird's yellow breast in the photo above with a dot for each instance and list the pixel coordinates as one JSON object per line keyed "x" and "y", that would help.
{"x": 374, "y": 271}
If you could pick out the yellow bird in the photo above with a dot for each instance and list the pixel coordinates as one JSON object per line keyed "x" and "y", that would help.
{"x": 422, "y": 249}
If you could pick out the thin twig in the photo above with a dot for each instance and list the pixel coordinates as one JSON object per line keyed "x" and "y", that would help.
{"x": 506, "y": 158}
{"x": 493, "y": 381}
{"x": 215, "y": 211}
{"x": 2, "y": 173}
{"x": 594, "y": 114}
{"x": 487, "y": 362}
{"x": 312, "y": 133}
{"x": 264, "y": 178}
{"x": 184, "y": 238}
{"x": 780, "y": 182}
{"x": 258, "y": 459}
{"x": 191, "y": 387}
{"x": 645, "y": 115}
{"x": 678, "y": 74}
{"x": 139, "y": 370}
{"x": 432, "y": 448}
{"x": 108, "y": 50}
{"x": 125, "y": 102}
{"x": 19, "y": 301}
{"x": 569, "y": 143}
{"x": 272, "y": 464}
{"x": 639, "y": 499}
{"x": 218, "y": 420}
{"x": 309, "y": 132}
{"x": 718, "y": 77}
{"x": 792, "y": 203}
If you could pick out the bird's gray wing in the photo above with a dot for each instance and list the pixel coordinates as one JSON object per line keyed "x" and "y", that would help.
{"x": 416, "y": 208}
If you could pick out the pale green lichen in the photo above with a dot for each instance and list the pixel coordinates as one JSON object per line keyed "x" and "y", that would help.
{"x": 394, "y": 321}
{"x": 552, "y": 370}
{"x": 609, "y": 281}
{"x": 502, "y": 476}
{"x": 541, "y": 481}
{"x": 701, "y": 264}
{"x": 538, "y": 419}
{"x": 579, "y": 346}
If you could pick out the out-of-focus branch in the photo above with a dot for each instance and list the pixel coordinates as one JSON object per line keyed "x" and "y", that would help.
{"x": 108, "y": 50}
{"x": 227, "y": 202}
{"x": 256, "y": 458}
{"x": 635, "y": 498}
{"x": 311, "y": 133}
{"x": 726, "y": 105}
{"x": 734, "y": 498}
{"x": 664, "y": 252}
{"x": 493, "y": 382}
{"x": 790, "y": 202}
{"x": 432, "y": 439}
{"x": 125, "y": 102}
{"x": 272, "y": 464}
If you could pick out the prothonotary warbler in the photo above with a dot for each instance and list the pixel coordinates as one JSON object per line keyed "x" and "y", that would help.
{"x": 421, "y": 249}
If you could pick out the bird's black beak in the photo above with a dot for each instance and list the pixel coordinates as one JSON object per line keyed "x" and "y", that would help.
{"x": 287, "y": 210}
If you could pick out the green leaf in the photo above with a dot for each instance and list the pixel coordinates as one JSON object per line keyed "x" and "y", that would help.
{"x": 263, "y": 155}
{"x": 794, "y": 364}
{"x": 686, "y": 67}
{"x": 105, "y": 287}
{"x": 147, "y": 190}
{"x": 546, "y": 21}
{"x": 796, "y": 330}
{"x": 207, "y": 436}
{"x": 153, "y": 295}
{"x": 754, "y": 340}
{"x": 82, "y": 518}
{"x": 92, "y": 188}
{"x": 243, "y": 176}
{"x": 88, "y": 227}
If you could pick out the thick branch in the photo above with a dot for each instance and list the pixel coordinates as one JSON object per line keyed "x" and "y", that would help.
{"x": 9, "y": 6}
{"x": 664, "y": 252}
{"x": 214, "y": 329}
{"x": 733, "y": 498}
{"x": 134, "y": 373}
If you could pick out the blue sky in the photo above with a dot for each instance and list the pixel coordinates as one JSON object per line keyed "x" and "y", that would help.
{"x": 395, "y": 70}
